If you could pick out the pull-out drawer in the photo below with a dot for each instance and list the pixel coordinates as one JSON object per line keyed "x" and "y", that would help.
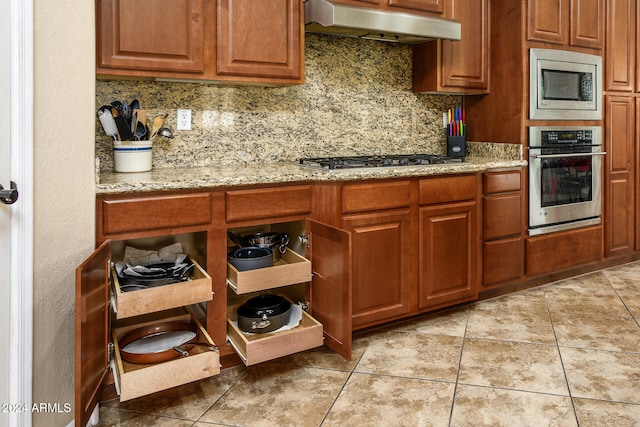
{"x": 290, "y": 269}
{"x": 143, "y": 301}
{"x": 258, "y": 348}
{"x": 136, "y": 380}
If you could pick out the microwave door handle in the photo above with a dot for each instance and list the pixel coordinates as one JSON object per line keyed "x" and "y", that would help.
{"x": 563, "y": 156}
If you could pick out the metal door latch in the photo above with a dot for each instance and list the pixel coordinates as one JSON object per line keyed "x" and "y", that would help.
{"x": 9, "y": 197}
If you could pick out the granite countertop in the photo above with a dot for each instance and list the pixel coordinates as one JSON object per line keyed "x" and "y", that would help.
{"x": 274, "y": 173}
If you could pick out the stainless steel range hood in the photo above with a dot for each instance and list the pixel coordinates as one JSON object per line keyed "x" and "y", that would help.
{"x": 322, "y": 16}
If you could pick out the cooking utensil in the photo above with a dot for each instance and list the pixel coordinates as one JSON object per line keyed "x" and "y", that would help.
{"x": 250, "y": 258}
{"x": 108, "y": 124}
{"x": 157, "y": 123}
{"x": 264, "y": 313}
{"x": 156, "y": 343}
{"x": 124, "y": 130}
{"x": 165, "y": 133}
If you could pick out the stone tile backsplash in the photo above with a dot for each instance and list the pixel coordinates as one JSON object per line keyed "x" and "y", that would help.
{"x": 356, "y": 99}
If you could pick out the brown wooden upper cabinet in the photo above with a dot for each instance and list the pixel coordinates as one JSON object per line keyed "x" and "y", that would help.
{"x": 152, "y": 35}
{"x": 577, "y": 23}
{"x": 456, "y": 66}
{"x": 621, "y": 46}
{"x": 259, "y": 38}
{"x": 250, "y": 41}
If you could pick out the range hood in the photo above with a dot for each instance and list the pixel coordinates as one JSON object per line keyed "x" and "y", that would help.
{"x": 322, "y": 16}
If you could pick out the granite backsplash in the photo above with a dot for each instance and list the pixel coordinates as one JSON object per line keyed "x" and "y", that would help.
{"x": 356, "y": 99}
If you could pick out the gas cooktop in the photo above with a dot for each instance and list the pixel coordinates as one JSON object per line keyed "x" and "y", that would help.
{"x": 391, "y": 160}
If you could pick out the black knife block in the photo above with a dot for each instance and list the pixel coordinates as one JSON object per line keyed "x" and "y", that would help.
{"x": 457, "y": 146}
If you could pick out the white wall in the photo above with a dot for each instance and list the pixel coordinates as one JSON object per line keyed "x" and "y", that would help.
{"x": 64, "y": 135}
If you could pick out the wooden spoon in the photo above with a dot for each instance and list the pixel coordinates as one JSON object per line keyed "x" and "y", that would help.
{"x": 158, "y": 122}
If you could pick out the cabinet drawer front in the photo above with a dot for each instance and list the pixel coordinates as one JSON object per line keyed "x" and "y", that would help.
{"x": 268, "y": 202}
{"x": 500, "y": 182}
{"x": 503, "y": 261}
{"x": 555, "y": 252}
{"x": 502, "y": 216}
{"x": 448, "y": 189}
{"x": 375, "y": 196}
{"x": 149, "y": 213}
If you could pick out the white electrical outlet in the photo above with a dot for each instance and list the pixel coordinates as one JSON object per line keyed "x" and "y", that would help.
{"x": 184, "y": 120}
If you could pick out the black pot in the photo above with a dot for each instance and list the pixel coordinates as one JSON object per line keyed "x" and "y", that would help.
{"x": 251, "y": 257}
{"x": 264, "y": 313}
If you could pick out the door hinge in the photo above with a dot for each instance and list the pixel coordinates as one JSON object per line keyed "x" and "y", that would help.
{"x": 305, "y": 239}
{"x": 304, "y": 305}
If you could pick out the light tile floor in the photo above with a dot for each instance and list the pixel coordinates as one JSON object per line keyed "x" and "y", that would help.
{"x": 565, "y": 354}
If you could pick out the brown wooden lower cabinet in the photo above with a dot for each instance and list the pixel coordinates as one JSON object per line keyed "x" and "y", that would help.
{"x": 447, "y": 254}
{"x": 418, "y": 251}
{"x": 381, "y": 277}
{"x": 620, "y": 140}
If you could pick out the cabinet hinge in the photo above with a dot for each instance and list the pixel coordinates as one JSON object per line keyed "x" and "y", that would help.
{"x": 305, "y": 239}
{"x": 304, "y": 305}
{"x": 110, "y": 350}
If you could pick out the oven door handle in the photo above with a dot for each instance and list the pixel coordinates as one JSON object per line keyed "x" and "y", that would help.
{"x": 563, "y": 156}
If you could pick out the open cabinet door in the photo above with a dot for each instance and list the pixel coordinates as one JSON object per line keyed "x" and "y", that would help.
{"x": 92, "y": 329}
{"x": 330, "y": 290}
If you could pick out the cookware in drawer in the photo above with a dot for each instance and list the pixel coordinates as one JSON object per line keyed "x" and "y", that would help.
{"x": 258, "y": 348}
{"x": 268, "y": 202}
{"x": 157, "y": 298}
{"x": 135, "y": 380}
{"x": 290, "y": 269}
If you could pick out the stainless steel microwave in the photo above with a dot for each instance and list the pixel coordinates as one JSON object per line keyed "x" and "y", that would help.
{"x": 564, "y": 85}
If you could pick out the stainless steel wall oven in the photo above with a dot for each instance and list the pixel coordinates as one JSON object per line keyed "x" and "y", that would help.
{"x": 565, "y": 177}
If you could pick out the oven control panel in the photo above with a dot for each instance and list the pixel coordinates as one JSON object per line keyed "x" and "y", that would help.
{"x": 549, "y": 136}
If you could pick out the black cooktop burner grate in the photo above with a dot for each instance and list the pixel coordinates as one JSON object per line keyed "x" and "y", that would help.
{"x": 353, "y": 162}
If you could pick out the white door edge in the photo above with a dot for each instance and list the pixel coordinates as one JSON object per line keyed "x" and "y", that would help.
{"x": 21, "y": 304}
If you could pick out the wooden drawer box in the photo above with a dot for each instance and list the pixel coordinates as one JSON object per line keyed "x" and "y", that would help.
{"x": 136, "y": 380}
{"x": 154, "y": 212}
{"x": 375, "y": 196}
{"x": 134, "y": 303}
{"x": 448, "y": 189}
{"x": 242, "y": 205}
{"x": 258, "y": 348}
{"x": 501, "y": 182}
{"x": 291, "y": 269}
